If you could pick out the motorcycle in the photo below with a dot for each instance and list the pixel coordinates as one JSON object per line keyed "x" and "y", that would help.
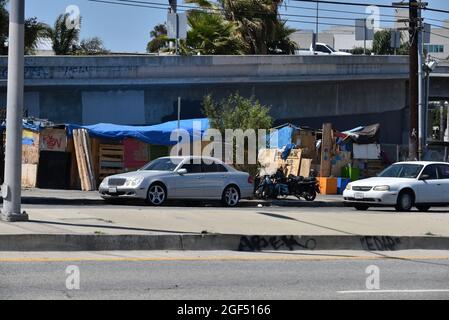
{"x": 279, "y": 186}
{"x": 301, "y": 187}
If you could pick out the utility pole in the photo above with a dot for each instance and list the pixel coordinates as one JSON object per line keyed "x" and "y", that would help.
{"x": 421, "y": 117}
{"x": 174, "y": 9}
{"x": 11, "y": 189}
{"x": 413, "y": 81}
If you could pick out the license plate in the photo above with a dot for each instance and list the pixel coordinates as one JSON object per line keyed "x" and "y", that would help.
{"x": 359, "y": 196}
{"x": 112, "y": 190}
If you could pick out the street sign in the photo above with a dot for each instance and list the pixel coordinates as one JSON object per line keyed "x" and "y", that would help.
{"x": 427, "y": 32}
{"x": 395, "y": 39}
{"x": 177, "y": 25}
{"x": 362, "y": 32}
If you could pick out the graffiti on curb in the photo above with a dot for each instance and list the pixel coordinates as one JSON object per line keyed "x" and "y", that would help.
{"x": 380, "y": 243}
{"x": 259, "y": 243}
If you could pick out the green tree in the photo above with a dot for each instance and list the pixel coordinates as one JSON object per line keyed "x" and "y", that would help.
{"x": 257, "y": 24}
{"x": 211, "y": 34}
{"x": 237, "y": 112}
{"x": 64, "y": 39}
{"x": 159, "y": 39}
{"x": 91, "y": 46}
{"x": 33, "y": 31}
{"x": 382, "y": 44}
{"x": 4, "y": 21}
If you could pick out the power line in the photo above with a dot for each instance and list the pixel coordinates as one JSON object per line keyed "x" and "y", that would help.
{"x": 284, "y": 14}
{"x": 161, "y": 6}
{"x": 356, "y": 13}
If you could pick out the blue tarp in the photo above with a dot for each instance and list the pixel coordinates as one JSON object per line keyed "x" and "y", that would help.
{"x": 157, "y": 134}
{"x": 284, "y": 136}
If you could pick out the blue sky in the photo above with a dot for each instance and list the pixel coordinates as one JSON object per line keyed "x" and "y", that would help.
{"x": 126, "y": 29}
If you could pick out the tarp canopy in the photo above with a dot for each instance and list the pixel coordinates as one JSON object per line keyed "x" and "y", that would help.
{"x": 157, "y": 134}
{"x": 364, "y": 135}
{"x": 282, "y": 136}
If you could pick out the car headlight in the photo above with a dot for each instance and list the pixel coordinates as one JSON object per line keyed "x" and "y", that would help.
{"x": 382, "y": 188}
{"x": 349, "y": 187}
{"x": 104, "y": 184}
{"x": 133, "y": 182}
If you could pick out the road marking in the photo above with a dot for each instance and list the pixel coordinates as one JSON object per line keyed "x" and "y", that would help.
{"x": 394, "y": 291}
{"x": 215, "y": 258}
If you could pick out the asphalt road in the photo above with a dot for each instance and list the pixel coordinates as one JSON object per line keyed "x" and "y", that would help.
{"x": 222, "y": 277}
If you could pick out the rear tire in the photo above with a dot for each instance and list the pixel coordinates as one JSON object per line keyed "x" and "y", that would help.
{"x": 310, "y": 195}
{"x": 423, "y": 208}
{"x": 405, "y": 201}
{"x": 361, "y": 207}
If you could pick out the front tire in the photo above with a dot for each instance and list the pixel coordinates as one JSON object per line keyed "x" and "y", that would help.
{"x": 405, "y": 202}
{"x": 231, "y": 196}
{"x": 157, "y": 194}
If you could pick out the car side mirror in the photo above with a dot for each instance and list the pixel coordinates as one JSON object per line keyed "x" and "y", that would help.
{"x": 424, "y": 177}
{"x": 182, "y": 171}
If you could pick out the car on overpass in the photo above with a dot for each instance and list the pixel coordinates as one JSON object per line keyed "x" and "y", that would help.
{"x": 320, "y": 50}
{"x": 189, "y": 177}
{"x": 403, "y": 185}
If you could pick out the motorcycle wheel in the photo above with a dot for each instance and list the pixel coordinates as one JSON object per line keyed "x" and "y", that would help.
{"x": 309, "y": 195}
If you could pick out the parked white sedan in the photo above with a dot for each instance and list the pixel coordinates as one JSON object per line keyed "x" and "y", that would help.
{"x": 181, "y": 178}
{"x": 403, "y": 185}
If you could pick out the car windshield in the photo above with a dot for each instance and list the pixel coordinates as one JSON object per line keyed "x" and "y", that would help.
{"x": 410, "y": 171}
{"x": 162, "y": 164}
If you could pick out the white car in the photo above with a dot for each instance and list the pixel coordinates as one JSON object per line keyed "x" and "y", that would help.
{"x": 403, "y": 185}
{"x": 321, "y": 49}
{"x": 181, "y": 178}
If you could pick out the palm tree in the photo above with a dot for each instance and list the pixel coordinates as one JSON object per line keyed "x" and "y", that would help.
{"x": 211, "y": 34}
{"x": 34, "y": 30}
{"x": 4, "y": 21}
{"x": 257, "y": 22}
{"x": 159, "y": 39}
{"x": 64, "y": 38}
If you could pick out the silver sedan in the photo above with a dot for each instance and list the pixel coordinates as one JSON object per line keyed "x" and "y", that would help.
{"x": 181, "y": 178}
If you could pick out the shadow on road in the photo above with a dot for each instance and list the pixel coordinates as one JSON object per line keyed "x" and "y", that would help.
{"x": 280, "y": 216}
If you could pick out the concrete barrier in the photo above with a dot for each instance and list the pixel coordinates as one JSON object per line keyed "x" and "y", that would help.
{"x": 199, "y": 242}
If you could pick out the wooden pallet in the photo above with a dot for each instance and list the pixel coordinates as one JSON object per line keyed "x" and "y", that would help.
{"x": 111, "y": 158}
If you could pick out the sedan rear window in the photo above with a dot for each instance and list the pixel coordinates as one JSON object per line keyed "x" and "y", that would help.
{"x": 410, "y": 171}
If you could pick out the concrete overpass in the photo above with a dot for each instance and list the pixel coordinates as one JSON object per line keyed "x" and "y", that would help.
{"x": 347, "y": 90}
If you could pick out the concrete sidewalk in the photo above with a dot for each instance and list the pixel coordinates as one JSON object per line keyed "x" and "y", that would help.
{"x": 123, "y": 227}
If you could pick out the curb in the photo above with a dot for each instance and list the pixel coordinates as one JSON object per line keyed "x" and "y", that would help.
{"x": 205, "y": 242}
{"x": 243, "y": 204}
